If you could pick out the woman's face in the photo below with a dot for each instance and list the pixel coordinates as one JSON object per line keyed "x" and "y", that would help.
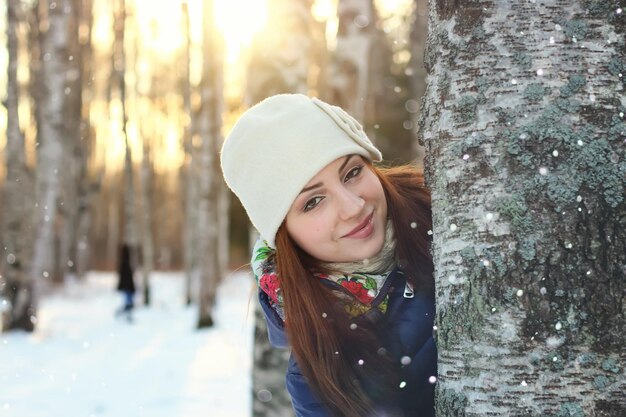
{"x": 341, "y": 214}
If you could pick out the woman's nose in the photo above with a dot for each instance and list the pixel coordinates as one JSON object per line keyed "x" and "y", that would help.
{"x": 350, "y": 204}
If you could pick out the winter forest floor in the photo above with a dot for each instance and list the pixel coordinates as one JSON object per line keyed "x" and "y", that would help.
{"x": 84, "y": 362}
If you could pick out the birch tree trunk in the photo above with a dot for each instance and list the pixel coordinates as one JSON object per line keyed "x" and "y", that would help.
{"x": 361, "y": 78}
{"x": 189, "y": 177}
{"x": 209, "y": 124}
{"x": 119, "y": 70}
{"x": 281, "y": 64}
{"x": 73, "y": 157}
{"x": 223, "y": 220}
{"x": 524, "y": 133}
{"x": 283, "y": 50}
{"x": 416, "y": 71}
{"x": 15, "y": 278}
{"x": 86, "y": 187}
{"x": 147, "y": 238}
{"x": 51, "y": 133}
{"x": 350, "y": 66}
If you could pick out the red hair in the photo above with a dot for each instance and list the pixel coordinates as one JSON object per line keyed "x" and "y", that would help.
{"x": 327, "y": 347}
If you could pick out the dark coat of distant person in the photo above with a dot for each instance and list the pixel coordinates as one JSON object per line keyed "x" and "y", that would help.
{"x": 125, "y": 271}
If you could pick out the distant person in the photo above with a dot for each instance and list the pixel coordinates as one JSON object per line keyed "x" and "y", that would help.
{"x": 343, "y": 262}
{"x": 126, "y": 283}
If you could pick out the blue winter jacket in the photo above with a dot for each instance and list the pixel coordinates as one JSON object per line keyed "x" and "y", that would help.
{"x": 405, "y": 330}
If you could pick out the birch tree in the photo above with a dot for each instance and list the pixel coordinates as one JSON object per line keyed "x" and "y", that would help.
{"x": 209, "y": 131}
{"x": 73, "y": 157}
{"x": 146, "y": 174}
{"x": 87, "y": 187}
{"x": 188, "y": 175}
{"x": 416, "y": 71}
{"x": 282, "y": 52}
{"x": 119, "y": 71}
{"x": 147, "y": 238}
{"x": 365, "y": 80}
{"x": 523, "y": 123}
{"x": 50, "y": 137}
{"x": 360, "y": 57}
{"x": 15, "y": 279}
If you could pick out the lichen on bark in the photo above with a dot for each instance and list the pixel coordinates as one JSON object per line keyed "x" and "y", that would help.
{"x": 524, "y": 131}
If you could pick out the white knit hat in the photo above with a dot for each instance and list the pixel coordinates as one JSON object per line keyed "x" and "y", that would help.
{"x": 278, "y": 145}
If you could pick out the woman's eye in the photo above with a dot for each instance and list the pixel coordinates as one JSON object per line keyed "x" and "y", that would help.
{"x": 312, "y": 203}
{"x": 353, "y": 172}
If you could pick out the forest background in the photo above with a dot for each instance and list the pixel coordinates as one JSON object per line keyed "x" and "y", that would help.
{"x": 115, "y": 111}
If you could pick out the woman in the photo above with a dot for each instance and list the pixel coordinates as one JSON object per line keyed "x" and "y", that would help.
{"x": 126, "y": 283}
{"x": 343, "y": 262}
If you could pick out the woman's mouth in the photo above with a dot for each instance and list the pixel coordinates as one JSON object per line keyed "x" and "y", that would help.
{"x": 362, "y": 230}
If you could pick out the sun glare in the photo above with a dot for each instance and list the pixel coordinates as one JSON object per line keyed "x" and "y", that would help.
{"x": 239, "y": 21}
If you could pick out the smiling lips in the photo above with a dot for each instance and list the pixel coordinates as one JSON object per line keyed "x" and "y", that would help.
{"x": 363, "y": 229}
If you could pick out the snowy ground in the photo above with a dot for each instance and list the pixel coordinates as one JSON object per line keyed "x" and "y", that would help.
{"x": 84, "y": 362}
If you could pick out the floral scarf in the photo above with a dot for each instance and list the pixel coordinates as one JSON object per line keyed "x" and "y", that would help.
{"x": 364, "y": 286}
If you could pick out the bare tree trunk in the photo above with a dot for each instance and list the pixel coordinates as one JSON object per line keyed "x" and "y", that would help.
{"x": 364, "y": 80}
{"x": 223, "y": 208}
{"x": 283, "y": 51}
{"x": 210, "y": 123}
{"x": 353, "y": 57}
{"x": 416, "y": 70}
{"x": 113, "y": 219}
{"x": 190, "y": 178}
{"x": 54, "y": 41}
{"x": 86, "y": 186}
{"x": 146, "y": 183}
{"x": 74, "y": 157}
{"x": 147, "y": 238}
{"x": 119, "y": 69}
{"x": 15, "y": 278}
{"x": 524, "y": 132}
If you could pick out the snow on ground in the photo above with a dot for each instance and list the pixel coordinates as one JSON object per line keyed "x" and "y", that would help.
{"x": 84, "y": 362}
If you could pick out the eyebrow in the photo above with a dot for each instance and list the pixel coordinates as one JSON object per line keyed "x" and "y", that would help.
{"x": 345, "y": 162}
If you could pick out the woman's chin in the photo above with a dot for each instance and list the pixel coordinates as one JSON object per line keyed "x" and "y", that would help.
{"x": 363, "y": 251}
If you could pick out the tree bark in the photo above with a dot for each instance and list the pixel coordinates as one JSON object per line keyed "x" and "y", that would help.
{"x": 15, "y": 278}
{"x": 416, "y": 71}
{"x": 51, "y": 133}
{"x": 74, "y": 157}
{"x": 282, "y": 63}
{"x": 87, "y": 187}
{"x": 147, "y": 238}
{"x": 210, "y": 124}
{"x": 354, "y": 56}
{"x": 364, "y": 80}
{"x": 189, "y": 177}
{"x": 119, "y": 69}
{"x": 524, "y": 133}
